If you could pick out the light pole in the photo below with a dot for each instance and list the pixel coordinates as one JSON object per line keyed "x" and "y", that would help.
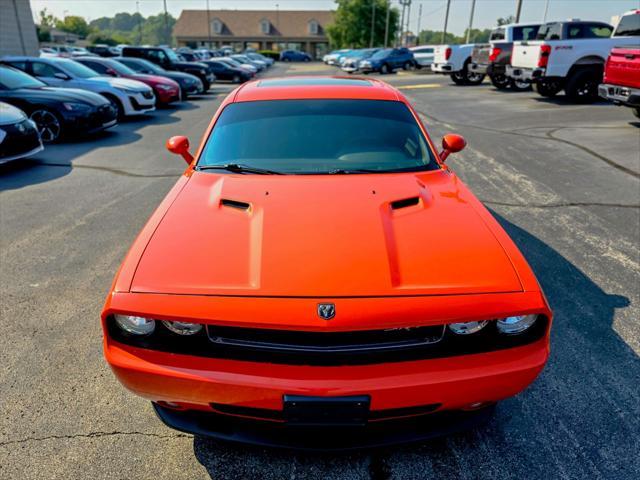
{"x": 166, "y": 24}
{"x": 473, "y": 7}
{"x": 419, "y": 21}
{"x": 386, "y": 25}
{"x": 373, "y": 20}
{"x": 208, "y": 24}
{"x": 446, "y": 20}
{"x": 139, "y": 22}
{"x": 546, "y": 10}
{"x": 518, "y": 10}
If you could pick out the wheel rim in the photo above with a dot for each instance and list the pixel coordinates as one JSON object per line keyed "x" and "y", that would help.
{"x": 501, "y": 80}
{"x": 236, "y": 79}
{"x": 586, "y": 89}
{"x": 521, "y": 85}
{"x": 47, "y": 124}
{"x": 384, "y": 69}
{"x": 458, "y": 76}
{"x": 473, "y": 77}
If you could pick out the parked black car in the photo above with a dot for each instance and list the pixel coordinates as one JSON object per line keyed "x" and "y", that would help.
{"x": 169, "y": 60}
{"x": 19, "y": 136}
{"x": 189, "y": 84}
{"x": 224, "y": 71}
{"x": 56, "y": 111}
{"x": 103, "y": 50}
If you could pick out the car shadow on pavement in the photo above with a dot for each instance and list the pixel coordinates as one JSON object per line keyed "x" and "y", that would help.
{"x": 579, "y": 412}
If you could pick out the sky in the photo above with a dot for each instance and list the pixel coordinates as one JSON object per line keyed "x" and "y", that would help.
{"x": 433, "y": 11}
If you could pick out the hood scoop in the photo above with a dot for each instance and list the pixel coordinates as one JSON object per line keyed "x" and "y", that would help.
{"x": 226, "y": 202}
{"x": 404, "y": 203}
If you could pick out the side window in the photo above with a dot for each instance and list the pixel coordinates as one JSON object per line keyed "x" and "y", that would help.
{"x": 596, "y": 31}
{"x": 524, "y": 33}
{"x": 575, "y": 31}
{"x": 555, "y": 32}
{"x": 96, "y": 67}
{"x": 44, "y": 70}
{"x": 19, "y": 65}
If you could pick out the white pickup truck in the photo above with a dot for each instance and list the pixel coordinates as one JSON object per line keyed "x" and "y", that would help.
{"x": 570, "y": 55}
{"x": 454, "y": 60}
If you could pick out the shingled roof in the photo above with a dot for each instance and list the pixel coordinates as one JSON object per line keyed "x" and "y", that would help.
{"x": 246, "y": 23}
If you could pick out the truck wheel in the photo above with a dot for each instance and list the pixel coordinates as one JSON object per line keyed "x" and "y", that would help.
{"x": 474, "y": 78}
{"x": 500, "y": 81}
{"x": 582, "y": 87}
{"x": 636, "y": 111}
{"x": 520, "y": 86}
{"x": 547, "y": 89}
{"x": 459, "y": 78}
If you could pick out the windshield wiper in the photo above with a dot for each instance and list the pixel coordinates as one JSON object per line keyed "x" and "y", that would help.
{"x": 343, "y": 171}
{"x": 237, "y": 168}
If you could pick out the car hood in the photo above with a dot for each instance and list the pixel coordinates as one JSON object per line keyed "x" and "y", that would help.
{"x": 10, "y": 115}
{"x": 63, "y": 95}
{"x": 324, "y": 236}
{"x": 143, "y": 77}
{"x": 120, "y": 83}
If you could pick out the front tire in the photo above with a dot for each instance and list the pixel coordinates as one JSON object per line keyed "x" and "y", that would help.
{"x": 474, "y": 78}
{"x": 459, "y": 78}
{"x": 408, "y": 66}
{"x": 48, "y": 124}
{"x": 582, "y": 87}
{"x": 236, "y": 79}
{"x": 636, "y": 111}
{"x": 520, "y": 86}
{"x": 547, "y": 89}
{"x": 384, "y": 69}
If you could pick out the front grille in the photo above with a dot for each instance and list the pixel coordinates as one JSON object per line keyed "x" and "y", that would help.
{"x": 20, "y": 138}
{"x": 289, "y": 347}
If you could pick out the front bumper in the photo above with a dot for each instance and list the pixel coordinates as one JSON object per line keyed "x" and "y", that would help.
{"x": 167, "y": 96}
{"x": 274, "y": 434}
{"x": 98, "y": 119}
{"x": 139, "y": 103}
{"x": 525, "y": 74}
{"x": 445, "y": 68}
{"x": 620, "y": 95}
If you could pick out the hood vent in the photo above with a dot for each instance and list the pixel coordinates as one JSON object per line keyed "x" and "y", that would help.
{"x": 405, "y": 202}
{"x": 225, "y": 202}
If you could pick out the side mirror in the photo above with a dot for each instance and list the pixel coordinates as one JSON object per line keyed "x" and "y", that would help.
{"x": 180, "y": 146}
{"x": 61, "y": 76}
{"x": 451, "y": 143}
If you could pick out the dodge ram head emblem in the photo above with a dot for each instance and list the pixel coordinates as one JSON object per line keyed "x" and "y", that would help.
{"x": 326, "y": 310}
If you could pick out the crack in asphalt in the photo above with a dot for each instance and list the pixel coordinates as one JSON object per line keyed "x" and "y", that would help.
{"x": 90, "y": 435}
{"x": 115, "y": 171}
{"x": 561, "y": 204}
{"x": 548, "y": 135}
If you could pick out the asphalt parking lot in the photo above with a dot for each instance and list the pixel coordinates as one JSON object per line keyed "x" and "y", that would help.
{"x": 564, "y": 180}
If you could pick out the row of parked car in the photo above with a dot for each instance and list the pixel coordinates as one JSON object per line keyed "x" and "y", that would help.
{"x": 586, "y": 59}
{"x": 44, "y": 99}
{"x": 380, "y": 60}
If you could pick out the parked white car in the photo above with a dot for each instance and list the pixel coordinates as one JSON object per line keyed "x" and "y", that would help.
{"x": 454, "y": 60}
{"x": 130, "y": 97}
{"x": 332, "y": 58}
{"x": 571, "y": 55}
{"x": 423, "y": 55}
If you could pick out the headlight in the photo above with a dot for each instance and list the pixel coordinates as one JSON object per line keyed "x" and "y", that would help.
{"x": 467, "y": 328}
{"x": 183, "y": 328}
{"x": 3, "y": 134}
{"x": 135, "y": 325}
{"x": 166, "y": 88}
{"x": 516, "y": 324}
{"x": 76, "y": 107}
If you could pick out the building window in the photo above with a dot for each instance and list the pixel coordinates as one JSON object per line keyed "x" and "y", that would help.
{"x": 265, "y": 26}
{"x": 313, "y": 27}
{"x": 216, "y": 26}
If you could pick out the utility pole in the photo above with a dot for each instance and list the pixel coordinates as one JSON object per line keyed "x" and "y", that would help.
{"x": 446, "y": 20}
{"x": 166, "y": 24}
{"x": 386, "y": 25}
{"x": 419, "y": 21}
{"x": 399, "y": 36}
{"x": 408, "y": 22}
{"x": 373, "y": 21}
{"x": 139, "y": 22}
{"x": 546, "y": 10}
{"x": 208, "y": 24}
{"x": 473, "y": 7}
{"x": 518, "y": 10}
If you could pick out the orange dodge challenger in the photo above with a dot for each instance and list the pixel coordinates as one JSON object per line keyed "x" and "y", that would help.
{"x": 319, "y": 278}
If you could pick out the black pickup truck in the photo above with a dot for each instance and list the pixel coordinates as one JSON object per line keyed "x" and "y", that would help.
{"x": 492, "y": 58}
{"x": 169, "y": 60}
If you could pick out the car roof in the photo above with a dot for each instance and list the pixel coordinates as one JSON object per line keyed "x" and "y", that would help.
{"x": 316, "y": 87}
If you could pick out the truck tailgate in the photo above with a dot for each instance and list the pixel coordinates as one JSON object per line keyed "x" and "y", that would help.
{"x": 481, "y": 54}
{"x": 623, "y": 67}
{"x": 439, "y": 54}
{"x": 525, "y": 55}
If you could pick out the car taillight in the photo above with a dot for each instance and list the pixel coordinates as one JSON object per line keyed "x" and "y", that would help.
{"x": 543, "y": 59}
{"x": 495, "y": 51}
{"x": 447, "y": 54}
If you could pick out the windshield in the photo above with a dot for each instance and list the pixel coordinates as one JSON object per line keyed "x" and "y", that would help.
{"x": 119, "y": 67}
{"x": 12, "y": 79}
{"x": 171, "y": 54}
{"x": 319, "y": 137}
{"x": 629, "y": 26}
{"x": 497, "y": 34}
{"x": 141, "y": 65}
{"x": 380, "y": 54}
{"x": 76, "y": 69}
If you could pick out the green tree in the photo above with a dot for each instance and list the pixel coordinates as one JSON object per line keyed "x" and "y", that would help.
{"x": 352, "y": 25}
{"x": 477, "y": 36}
{"x": 44, "y": 34}
{"x": 154, "y": 31}
{"x": 47, "y": 19}
{"x": 432, "y": 37}
{"x": 102, "y": 23}
{"x": 74, "y": 24}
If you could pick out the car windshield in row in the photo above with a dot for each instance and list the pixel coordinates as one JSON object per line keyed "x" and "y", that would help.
{"x": 11, "y": 79}
{"x": 381, "y": 54}
{"x": 76, "y": 69}
{"x": 317, "y": 137}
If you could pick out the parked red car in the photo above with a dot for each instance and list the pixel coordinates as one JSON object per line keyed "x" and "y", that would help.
{"x": 307, "y": 293}
{"x": 165, "y": 89}
{"x": 621, "y": 84}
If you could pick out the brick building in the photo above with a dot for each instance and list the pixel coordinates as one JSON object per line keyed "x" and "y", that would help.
{"x": 260, "y": 29}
